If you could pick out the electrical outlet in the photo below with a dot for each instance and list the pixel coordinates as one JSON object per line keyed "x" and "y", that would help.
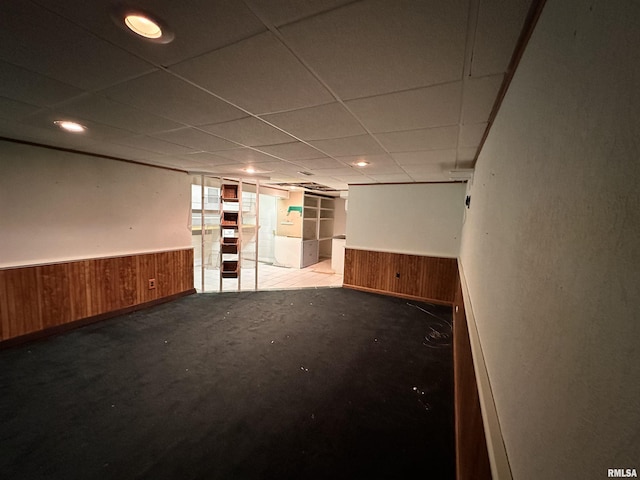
{"x": 152, "y": 283}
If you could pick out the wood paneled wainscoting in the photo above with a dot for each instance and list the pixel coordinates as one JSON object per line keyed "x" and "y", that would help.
{"x": 472, "y": 458}
{"x": 419, "y": 277}
{"x": 45, "y": 299}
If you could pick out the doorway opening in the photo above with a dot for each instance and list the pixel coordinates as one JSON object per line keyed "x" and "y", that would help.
{"x": 277, "y": 236}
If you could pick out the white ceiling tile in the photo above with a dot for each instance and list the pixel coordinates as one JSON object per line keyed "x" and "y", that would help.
{"x": 199, "y": 26}
{"x": 57, "y": 58}
{"x": 497, "y": 31}
{"x": 280, "y": 12}
{"x": 14, "y": 110}
{"x": 258, "y": 74}
{"x": 239, "y": 169}
{"x": 192, "y": 138}
{"x": 435, "y": 176}
{"x": 356, "y": 145}
{"x": 30, "y": 87}
{"x": 44, "y": 120}
{"x": 391, "y": 178}
{"x": 317, "y": 163}
{"x": 331, "y": 120}
{"x": 422, "y": 139}
{"x": 465, "y": 164}
{"x": 280, "y": 166}
{"x": 122, "y": 151}
{"x": 45, "y": 133}
{"x": 292, "y": 151}
{"x": 466, "y": 153}
{"x": 382, "y": 169}
{"x": 153, "y": 145}
{"x": 224, "y": 68}
{"x": 423, "y": 44}
{"x": 471, "y": 135}
{"x": 428, "y": 157}
{"x": 372, "y": 159}
{"x": 102, "y": 110}
{"x": 249, "y": 131}
{"x": 479, "y": 96}
{"x": 163, "y": 94}
{"x": 354, "y": 179}
{"x": 337, "y": 172}
{"x": 424, "y": 169}
{"x": 410, "y": 110}
{"x": 206, "y": 158}
{"x": 246, "y": 155}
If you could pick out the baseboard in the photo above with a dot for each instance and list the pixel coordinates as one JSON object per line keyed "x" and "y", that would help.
{"x": 399, "y": 295}
{"x": 59, "y": 329}
{"x": 498, "y": 459}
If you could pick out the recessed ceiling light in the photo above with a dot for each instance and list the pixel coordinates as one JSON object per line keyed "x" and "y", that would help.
{"x": 250, "y": 170}
{"x": 362, "y": 163}
{"x": 70, "y": 126}
{"x": 142, "y": 23}
{"x": 143, "y": 26}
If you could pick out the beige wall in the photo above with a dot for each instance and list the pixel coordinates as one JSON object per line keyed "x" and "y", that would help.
{"x": 57, "y": 206}
{"x": 551, "y": 246}
{"x": 418, "y": 219}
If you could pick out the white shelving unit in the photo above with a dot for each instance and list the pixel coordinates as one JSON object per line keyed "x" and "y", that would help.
{"x": 317, "y": 229}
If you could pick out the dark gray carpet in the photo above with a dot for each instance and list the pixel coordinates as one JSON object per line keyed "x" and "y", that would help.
{"x": 299, "y": 384}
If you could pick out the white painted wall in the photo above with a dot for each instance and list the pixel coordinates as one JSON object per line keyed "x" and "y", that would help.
{"x": 56, "y": 206}
{"x": 551, "y": 246}
{"x": 417, "y": 219}
{"x": 339, "y": 216}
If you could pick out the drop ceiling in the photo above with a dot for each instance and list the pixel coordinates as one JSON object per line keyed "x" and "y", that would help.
{"x": 283, "y": 86}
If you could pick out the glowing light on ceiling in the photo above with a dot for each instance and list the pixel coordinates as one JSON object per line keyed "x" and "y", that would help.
{"x": 143, "y": 26}
{"x": 72, "y": 127}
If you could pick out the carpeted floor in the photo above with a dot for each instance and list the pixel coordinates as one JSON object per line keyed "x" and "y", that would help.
{"x": 297, "y": 384}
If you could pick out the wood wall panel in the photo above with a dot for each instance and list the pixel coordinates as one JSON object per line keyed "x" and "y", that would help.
{"x": 44, "y": 297}
{"x": 421, "y": 277}
{"x": 472, "y": 458}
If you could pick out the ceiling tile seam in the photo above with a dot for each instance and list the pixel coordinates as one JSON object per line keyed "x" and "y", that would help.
{"x": 106, "y": 40}
{"x": 129, "y": 106}
{"x": 251, "y": 7}
{"x": 90, "y": 154}
{"x": 535, "y": 10}
{"x": 276, "y": 32}
{"x": 134, "y": 54}
{"x": 472, "y": 30}
{"x": 82, "y": 120}
{"x": 425, "y": 150}
{"x": 32, "y": 72}
{"x": 446, "y": 125}
{"x": 248, "y": 113}
{"x": 278, "y": 35}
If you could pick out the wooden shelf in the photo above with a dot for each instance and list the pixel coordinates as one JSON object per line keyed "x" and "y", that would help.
{"x": 229, "y": 193}
{"x": 229, "y": 245}
{"x": 229, "y": 269}
{"x": 229, "y": 219}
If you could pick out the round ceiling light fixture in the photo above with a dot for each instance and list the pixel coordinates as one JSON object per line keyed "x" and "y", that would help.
{"x": 250, "y": 170}
{"x": 142, "y": 23}
{"x": 362, "y": 163}
{"x": 143, "y": 26}
{"x": 69, "y": 126}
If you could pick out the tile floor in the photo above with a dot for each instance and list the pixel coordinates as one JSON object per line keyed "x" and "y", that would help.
{"x": 271, "y": 277}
